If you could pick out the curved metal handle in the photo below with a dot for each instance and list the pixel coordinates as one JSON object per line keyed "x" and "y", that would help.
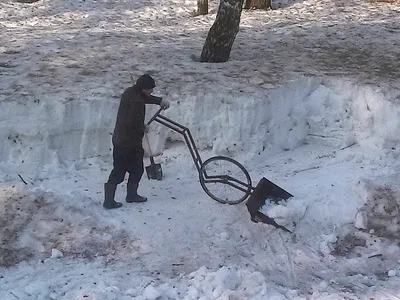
{"x": 155, "y": 116}
{"x": 182, "y": 130}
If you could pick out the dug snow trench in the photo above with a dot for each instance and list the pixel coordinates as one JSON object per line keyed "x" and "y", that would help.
{"x": 332, "y": 144}
{"x": 50, "y": 133}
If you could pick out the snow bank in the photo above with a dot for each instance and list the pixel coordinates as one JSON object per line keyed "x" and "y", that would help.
{"x": 48, "y": 133}
{"x": 89, "y": 280}
{"x": 41, "y": 133}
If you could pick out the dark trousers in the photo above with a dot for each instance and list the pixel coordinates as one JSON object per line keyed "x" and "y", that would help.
{"x": 127, "y": 160}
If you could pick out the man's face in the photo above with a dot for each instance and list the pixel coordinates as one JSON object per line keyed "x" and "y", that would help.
{"x": 148, "y": 92}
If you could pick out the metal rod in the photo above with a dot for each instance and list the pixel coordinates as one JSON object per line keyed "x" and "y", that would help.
{"x": 195, "y": 148}
{"x": 186, "y": 135}
{"x": 225, "y": 178}
{"x": 227, "y": 182}
{"x": 155, "y": 116}
{"x": 169, "y": 126}
{"x": 192, "y": 152}
{"x": 169, "y": 120}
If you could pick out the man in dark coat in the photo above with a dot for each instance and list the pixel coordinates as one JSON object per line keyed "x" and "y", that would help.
{"x": 127, "y": 140}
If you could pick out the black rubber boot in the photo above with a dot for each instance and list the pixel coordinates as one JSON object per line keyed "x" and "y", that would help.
{"x": 109, "y": 194}
{"x": 132, "y": 196}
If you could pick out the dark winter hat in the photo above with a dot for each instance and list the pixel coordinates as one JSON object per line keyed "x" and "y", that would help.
{"x": 145, "y": 82}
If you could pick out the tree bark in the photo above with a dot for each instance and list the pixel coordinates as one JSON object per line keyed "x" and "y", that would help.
{"x": 257, "y": 4}
{"x": 220, "y": 38}
{"x": 202, "y": 7}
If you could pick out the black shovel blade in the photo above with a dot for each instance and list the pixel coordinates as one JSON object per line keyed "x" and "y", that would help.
{"x": 154, "y": 171}
{"x": 265, "y": 190}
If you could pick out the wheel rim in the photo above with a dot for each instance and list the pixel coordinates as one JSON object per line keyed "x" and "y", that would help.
{"x": 225, "y": 180}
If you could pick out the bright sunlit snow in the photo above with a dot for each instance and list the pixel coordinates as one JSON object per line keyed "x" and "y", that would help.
{"x": 310, "y": 99}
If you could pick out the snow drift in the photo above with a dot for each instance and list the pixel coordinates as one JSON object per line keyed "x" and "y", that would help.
{"x": 333, "y": 112}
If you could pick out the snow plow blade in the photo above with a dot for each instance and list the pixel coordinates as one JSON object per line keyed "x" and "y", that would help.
{"x": 266, "y": 190}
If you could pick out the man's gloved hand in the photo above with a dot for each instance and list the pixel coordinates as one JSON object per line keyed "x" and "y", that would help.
{"x": 164, "y": 103}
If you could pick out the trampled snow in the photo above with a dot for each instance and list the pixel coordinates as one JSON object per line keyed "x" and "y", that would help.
{"x": 309, "y": 100}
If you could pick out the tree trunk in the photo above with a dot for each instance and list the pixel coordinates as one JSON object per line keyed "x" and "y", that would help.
{"x": 222, "y": 34}
{"x": 257, "y": 4}
{"x": 202, "y": 7}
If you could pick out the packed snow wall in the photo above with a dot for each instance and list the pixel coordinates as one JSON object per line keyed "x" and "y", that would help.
{"x": 37, "y": 134}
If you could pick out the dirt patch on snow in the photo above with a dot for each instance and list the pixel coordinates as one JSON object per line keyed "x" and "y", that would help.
{"x": 383, "y": 213}
{"x": 33, "y": 224}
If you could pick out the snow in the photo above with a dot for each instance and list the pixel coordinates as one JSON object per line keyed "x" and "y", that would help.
{"x": 56, "y": 253}
{"x": 309, "y": 100}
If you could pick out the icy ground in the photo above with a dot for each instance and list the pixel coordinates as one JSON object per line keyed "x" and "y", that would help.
{"x": 309, "y": 99}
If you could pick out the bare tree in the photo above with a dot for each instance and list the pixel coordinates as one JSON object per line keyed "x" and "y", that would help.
{"x": 257, "y": 4}
{"x": 220, "y": 38}
{"x": 202, "y": 7}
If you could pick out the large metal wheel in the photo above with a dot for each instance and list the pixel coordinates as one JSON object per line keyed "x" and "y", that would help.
{"x": 225, "y": 180}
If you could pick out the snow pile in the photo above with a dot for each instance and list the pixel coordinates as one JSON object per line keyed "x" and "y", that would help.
{"x": 227, "y": 283}
{"x": 323, "y": 111}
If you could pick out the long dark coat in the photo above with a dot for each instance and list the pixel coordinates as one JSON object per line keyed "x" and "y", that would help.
{"x": 129, "y": 127}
